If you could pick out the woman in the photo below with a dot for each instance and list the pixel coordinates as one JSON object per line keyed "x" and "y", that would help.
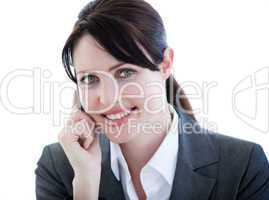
{"x": 118, "y": 56}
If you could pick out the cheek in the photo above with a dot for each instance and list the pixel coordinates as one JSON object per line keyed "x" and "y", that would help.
{"x": 147, "y": 95}
{"x": 154, "y": 100}
{"x": 133, "y": 94}
{"x": 88, "y": 100}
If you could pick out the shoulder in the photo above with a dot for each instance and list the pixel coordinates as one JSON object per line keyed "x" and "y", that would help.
{"x": 235, "y": 147}
{"x": 54, "y": 167}
{"x": 231, "y": 152}
{"x": 54, "y": 154}
{"x": 55, "y": 150}
{"x": 221, "y": 145}
{"x": 240, "y": 155}
{"x": 243, "y": 163}
{"x": 231, "y": 144}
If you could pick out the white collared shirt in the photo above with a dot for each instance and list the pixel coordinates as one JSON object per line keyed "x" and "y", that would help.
{"x": 158, "y": 174}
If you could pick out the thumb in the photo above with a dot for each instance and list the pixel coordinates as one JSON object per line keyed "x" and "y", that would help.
{"x": 95, "y": 147}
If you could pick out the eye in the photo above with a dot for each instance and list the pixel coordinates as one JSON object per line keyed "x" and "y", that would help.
{"x": 88, "y": 79}
{"x": 125, "y": 73}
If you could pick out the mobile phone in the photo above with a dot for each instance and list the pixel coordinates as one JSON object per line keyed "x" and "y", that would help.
{"x": 81, "y": 108}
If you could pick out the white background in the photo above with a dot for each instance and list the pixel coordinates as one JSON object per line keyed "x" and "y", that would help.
{"x": 222, "y": 42}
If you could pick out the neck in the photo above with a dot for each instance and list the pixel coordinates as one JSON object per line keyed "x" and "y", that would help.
{"x": 139, "y": 150}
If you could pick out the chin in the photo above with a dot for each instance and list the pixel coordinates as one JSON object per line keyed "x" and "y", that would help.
{"x": 119, "y": 138}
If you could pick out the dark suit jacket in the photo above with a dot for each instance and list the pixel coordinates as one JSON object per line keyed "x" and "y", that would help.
{"x": 210, "y": 166}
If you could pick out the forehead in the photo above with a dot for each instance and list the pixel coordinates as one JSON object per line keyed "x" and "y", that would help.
{"x": 89, "y": 55}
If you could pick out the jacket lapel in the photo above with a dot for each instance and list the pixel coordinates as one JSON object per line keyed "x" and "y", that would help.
{"x": 196, "y": 153}
{"x": 110, "y": 187}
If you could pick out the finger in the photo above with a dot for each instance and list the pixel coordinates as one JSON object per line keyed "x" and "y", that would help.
{"x": 75, "y": 117}
{"x": 67, "y": 138}
{"x": 85, "y": 135}
{"x": 77, "y": 107}
{"x": 87, "y": 142}
{"x": 95, "y": 145}
{"x": 82, "y": 129}
{"x": 89, "y": 123}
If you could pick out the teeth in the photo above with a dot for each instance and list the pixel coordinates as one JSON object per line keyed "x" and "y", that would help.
{"x": 117, "y": 116}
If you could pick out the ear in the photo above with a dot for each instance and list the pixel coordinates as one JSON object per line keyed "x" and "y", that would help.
{"x": 167, "y": 64}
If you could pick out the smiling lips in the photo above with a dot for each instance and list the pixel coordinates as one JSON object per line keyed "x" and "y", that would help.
{"x": 119, "y": 117}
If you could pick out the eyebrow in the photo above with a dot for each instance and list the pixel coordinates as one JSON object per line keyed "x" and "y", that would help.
{"x": 110, "y": 69}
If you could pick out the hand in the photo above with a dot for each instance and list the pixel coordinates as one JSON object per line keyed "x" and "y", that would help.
{"x": 81, "y": 146}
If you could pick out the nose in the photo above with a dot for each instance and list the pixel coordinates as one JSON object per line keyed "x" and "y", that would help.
{"x": 109, "y": 93}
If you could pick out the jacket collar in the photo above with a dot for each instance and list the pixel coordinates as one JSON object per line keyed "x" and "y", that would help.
{"x": 195, "y": 151}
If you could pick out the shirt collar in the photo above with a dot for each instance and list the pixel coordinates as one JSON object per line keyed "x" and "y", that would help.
{"x": 164, "y": 159}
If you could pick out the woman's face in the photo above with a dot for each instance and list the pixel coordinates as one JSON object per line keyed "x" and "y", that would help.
{"x": 107, "y": 86}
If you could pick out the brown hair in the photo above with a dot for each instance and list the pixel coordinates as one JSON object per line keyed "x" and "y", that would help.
{"x": 122, "y": 27}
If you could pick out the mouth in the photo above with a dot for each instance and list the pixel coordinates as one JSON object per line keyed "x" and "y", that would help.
{"x": 120, "y": 118}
